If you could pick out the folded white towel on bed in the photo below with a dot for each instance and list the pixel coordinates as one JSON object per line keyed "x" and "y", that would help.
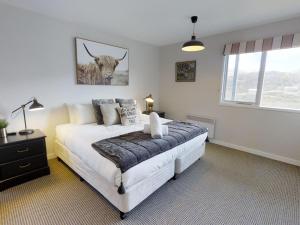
{"x": 147, "y": 129}
{"x": 155, "y": 125}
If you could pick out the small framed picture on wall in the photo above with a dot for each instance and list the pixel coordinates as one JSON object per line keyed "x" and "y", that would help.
{"x": 185, "y": 71}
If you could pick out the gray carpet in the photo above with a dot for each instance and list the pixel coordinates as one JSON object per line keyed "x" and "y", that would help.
{"x": 225, "y": 187}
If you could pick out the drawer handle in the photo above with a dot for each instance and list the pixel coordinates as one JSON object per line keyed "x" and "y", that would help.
{"x": 24, "y": 150}
{"x": 24, "y": 166}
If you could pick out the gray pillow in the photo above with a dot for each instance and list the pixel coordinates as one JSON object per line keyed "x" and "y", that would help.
{"x": 110, "y": 114}
{"x": 96, "y": 105}
{"x": 128, "y": 114}
{"x": 123, "y": 101}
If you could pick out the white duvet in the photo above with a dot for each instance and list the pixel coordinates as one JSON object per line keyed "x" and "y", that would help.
{"x": 78, "y": 139}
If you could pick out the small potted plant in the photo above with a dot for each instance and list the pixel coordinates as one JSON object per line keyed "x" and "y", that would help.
{"x": 3, "y": 125}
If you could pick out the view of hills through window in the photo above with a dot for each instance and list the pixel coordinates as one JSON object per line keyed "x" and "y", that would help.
{"x": 280, "y": 79}
{"x": 247, "y": 77}
{"x": 281, "y": 87}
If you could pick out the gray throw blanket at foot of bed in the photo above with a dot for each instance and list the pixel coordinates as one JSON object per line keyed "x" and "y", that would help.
{"x": 130, "y": 149}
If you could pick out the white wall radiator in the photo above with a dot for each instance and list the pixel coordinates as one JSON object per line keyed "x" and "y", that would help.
{"x": 209, "y": 123}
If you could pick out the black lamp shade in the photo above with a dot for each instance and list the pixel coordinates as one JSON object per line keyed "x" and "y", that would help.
{"x": 35, "y": 105}
{"x": 193, "y": 45}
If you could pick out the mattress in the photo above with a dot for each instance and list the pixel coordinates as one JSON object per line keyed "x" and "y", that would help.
{"x": 133, "y": 196}
{"x": 78, "y": 139}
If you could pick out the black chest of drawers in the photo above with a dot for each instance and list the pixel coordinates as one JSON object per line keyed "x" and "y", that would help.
{"x": 22, "y": 158}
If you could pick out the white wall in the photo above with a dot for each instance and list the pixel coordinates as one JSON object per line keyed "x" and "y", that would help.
{"x": 37, "y": 58}
{"x": 270, "y": 132}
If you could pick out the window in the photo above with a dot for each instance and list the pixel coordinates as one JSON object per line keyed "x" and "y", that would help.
{"x": 242, "y": 77}
{"x": 265, "y": 79}
{"x": 281, "y": 86}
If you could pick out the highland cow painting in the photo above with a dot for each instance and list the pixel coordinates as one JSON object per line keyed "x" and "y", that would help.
{"x": 101, "y": 64}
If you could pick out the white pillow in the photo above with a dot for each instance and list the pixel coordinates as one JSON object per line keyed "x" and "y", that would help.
{"x": 81, "y": 113}
{"x": 110, "y": 114}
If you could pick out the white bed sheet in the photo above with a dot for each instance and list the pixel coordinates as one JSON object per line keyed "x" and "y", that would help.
{"x": 78, "y": 139}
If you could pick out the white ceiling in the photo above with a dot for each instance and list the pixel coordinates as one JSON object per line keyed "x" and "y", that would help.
{"x": 162, "y": 22}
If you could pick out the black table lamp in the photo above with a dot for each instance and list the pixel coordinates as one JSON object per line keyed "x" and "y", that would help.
{"x": 149, "y": 103}
{"x": 33, "y": 107}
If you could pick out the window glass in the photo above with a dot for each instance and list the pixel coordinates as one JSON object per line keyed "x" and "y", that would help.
{"x": 230, "y": 74}
{"x": 281, "y": 86}
{"x": 247, "y": 77}
{"x": 242, "y": 85}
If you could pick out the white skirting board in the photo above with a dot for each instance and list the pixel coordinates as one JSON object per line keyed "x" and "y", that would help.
{"x": 257, "y": 152}
{"x": 51, "y": 156}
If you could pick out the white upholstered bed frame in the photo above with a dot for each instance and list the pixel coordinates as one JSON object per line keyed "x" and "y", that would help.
{"x": 136, "y": 193}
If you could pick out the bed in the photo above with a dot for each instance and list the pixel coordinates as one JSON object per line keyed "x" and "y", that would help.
{"x": 73, "y": 146}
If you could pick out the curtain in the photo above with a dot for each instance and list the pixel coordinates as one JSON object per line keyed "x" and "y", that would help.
{"x": 267, "y": 44}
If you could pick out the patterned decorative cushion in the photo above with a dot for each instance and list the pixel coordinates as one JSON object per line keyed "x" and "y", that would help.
{"x": 123, "y": 101}
{"x": 97, "y": 110}
{"x": 128, "y": 114}
{"x": 110, "y": 114}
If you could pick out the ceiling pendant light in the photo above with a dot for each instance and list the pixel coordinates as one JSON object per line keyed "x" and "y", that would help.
{"x": 193, "y": 45}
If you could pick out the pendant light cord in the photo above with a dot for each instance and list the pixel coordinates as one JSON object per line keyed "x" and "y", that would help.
{"x": 193, "y": 29}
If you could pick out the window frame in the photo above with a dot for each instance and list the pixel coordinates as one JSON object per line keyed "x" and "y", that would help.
{"x": 261, "y": 74}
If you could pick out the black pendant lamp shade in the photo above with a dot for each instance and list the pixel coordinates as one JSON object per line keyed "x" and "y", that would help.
{"x": 193, "y": 45}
